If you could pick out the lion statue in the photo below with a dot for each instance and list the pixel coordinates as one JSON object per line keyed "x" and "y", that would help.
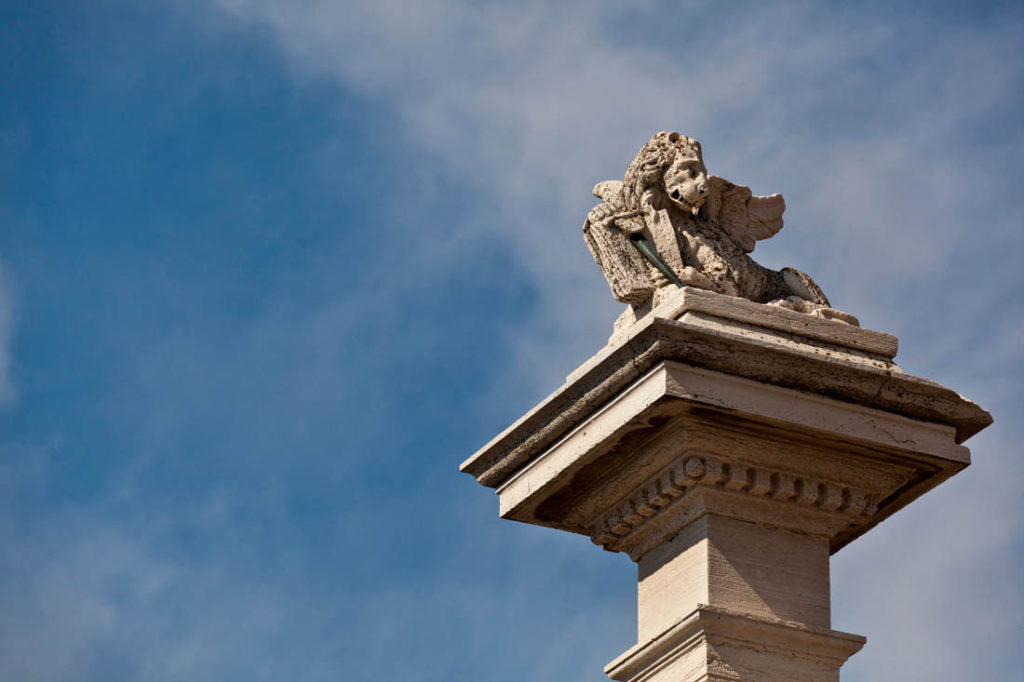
{"x": 670, "y": 223}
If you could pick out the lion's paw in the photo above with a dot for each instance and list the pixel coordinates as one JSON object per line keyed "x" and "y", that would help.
{"x": 802, "y": 305}
{"x": 826, "y": 313}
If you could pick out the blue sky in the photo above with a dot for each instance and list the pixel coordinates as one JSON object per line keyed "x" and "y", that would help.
{"x": 269, "y": 271}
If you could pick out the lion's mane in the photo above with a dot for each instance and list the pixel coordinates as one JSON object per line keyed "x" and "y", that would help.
{"x": 646, "y": 171}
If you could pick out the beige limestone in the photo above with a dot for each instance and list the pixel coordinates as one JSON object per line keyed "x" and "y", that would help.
{"x": 722, "y": 333}
{"x": 746, "y": 567}
{"x": 714, "y": 644}
{"x": 729, "y": 447}
{"x": 701, "y": 225}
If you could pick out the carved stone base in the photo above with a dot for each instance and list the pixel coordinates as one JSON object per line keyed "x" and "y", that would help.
{"x": 757, "y": 599}
{"x": 713, "y": 643}
{"x": 729, "y": 448}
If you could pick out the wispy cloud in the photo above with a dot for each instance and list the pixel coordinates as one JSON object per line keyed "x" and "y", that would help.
{"x": 945, "y": 569}
{"x": 875, "y": 129}
{"x": 881, "y": 163}
{"x": 261, "y": 523}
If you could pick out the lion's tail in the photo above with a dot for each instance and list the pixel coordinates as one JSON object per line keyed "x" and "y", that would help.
{"x": 800, "y": 284}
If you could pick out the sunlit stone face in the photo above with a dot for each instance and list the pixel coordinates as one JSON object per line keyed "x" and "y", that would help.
{"x": 686, "y": 180}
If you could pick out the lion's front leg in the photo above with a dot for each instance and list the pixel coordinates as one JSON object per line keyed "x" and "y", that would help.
{"x": 692, "y": 277}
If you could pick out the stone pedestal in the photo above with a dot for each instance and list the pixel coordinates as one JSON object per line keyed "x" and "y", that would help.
{"x": 729, "y": 448}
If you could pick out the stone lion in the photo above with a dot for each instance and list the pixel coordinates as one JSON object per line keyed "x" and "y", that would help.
{"x": 670, "y": 223}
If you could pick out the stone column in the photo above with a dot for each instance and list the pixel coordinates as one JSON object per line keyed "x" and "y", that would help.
{"x": 729, "y": 448}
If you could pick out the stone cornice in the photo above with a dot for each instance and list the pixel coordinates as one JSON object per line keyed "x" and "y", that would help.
{"x": 812, "y": 464}
{"x": 738, "y": 338}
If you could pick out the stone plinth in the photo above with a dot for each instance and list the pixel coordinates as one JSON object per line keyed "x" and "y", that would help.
{"x": 729, "y": 448}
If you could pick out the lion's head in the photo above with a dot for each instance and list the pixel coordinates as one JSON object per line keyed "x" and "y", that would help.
{"x": 670, "y": 167}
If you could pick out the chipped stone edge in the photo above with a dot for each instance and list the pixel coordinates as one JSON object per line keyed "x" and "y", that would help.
{"x": 615, "y": 367}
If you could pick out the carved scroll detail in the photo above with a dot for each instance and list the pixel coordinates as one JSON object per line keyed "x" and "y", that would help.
{"x": 674, "y": 483}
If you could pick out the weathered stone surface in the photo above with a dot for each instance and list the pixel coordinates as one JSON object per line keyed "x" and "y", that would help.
{"x": 746, "y": 340}
{"x": 674, "y": 302}
{"x": 729, "y": 447}
{"x": 683, "y": 440}
{"x": 716, "y": 644}
{"x": 734, "y": 433}
{"x": 701, "y": 226}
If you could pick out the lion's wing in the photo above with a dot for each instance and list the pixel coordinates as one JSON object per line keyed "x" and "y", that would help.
{"x": 609, "y": 190}
{"x": 764, "y": 215}
{"x": 744, "y": 217}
